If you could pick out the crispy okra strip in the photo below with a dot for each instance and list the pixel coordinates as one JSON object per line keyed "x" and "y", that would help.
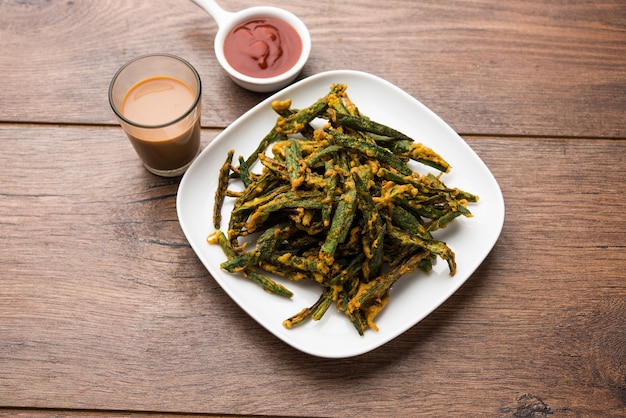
{"x": 306, "y": 312}
{"x": 414, "y": 151}
{"x": 329, "y": 295}
{"x": 273, "y": 135}
{"x": 425, "y": 155}
{"x": 298, "y": 243}
{"x": 296, "y": 262}
{"x": 436, "y": 247}
{"x": 265, "y": 245}
{"x": 343, "y": 301}
{"x": 278, "y": 168}
{"x": 402, "y": 179}
{"x": 445, "y": 219}
{"x": 371, "y": 151}
{"x": 350, "y": 106}
{"x": 434, "y": 200}
{"x": 261, "y": 200}
{"x": 367, "y": 293}
{"x": 289, "y": 200}
{"x": 405, "y": 219}
{"x": 373, "y": 230}
{"x": 284, "y": 109}
{"x": 222, "y": 186}
{"x": 244, "y": 172}
{"x": 441, "y": 210}
{"x": 282, "y": 271}
{"x": 268, "y": 284}
{"x": 429, "y": 185}
{"x": 373, "y": 309}
{"x": 340, "y": 224}
{"x": 297, "y": 122}
{"x": 293, "y": 159}
{"x": 331, "y": 191}
{"x": 326, "y": 152}
{"x": 347, "y": 273}
{"x": 265, "y": 184}
{"x": 436, "y": 183}
{"x": 360, "y": 123}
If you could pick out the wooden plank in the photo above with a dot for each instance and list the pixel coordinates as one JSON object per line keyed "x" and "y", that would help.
{"x": 535, "y": 68}
{"x": 104, "y": 306}
{"x": 61, "y": 413}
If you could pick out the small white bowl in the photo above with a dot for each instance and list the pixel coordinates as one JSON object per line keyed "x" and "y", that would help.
{"x": 226, "y": 21}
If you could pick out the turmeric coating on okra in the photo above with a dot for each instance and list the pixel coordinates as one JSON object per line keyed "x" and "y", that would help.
{"x": 337, "y": 205}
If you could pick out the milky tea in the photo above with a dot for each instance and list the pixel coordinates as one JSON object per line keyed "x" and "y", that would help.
{"x": 156, "y": 99}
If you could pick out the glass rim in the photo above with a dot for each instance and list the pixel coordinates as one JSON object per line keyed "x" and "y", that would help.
{"x": 186, "y": 113}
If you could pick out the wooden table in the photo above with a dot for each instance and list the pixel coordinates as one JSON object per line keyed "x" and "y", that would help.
{"x": 106, "y": 310}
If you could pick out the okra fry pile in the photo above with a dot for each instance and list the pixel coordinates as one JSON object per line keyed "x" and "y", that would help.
{"x": 338, "y": 205}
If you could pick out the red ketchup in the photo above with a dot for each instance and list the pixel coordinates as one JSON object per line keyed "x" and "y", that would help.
{"x": 263, "y": 47}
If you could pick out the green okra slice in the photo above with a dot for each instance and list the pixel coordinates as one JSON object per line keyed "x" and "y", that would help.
{"x": 373, "y": 230}
{"x": 244, "y": 172}
{"x": 297, "y": 122}
{"x": 405, "y": 219}
{"x": 284, "y": 109}
{"x": 296, "y": 262}
{"x": 273, "y": 136}
{"x": 340, "y": 224}
{"x": 265, "y": 245}
{"x": 306, "y": 312}
{"x": 276, "y": 167}
{"x": 322, "y": 155}
{"x": 443, "y": 221}
{"x": 268, "y": 284}
{"x": 371, "y": 151}
{"x": 436, "y": 247}
{"x": 343, "y": 301}
{"x": 421, "y": 183}
{"x": 350, "y": 272}
{"x": 299, "y": 243}
{"x": 222, "y": 186}
{"x": 413, "y": 150}
{"x": 257, "y": 201}
{"x": 337, "y": 103}
{"x": 294, "y": 164}
{"x": 425, "y": 155}
{"x": 360, "y": 123}
{"x": 329, "y": 295}
{"x": 289, "y": 200}
{"x": 379, "y": 287}
{"x": 282, "y": 271}
{"x": 440, "y": 213}
{"x": 331, "y": 191}
{"x": 437, "y": 184}
{"x": 265, "y": 184}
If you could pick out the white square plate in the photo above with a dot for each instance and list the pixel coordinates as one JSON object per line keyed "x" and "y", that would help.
{"x": 415, "y": 295}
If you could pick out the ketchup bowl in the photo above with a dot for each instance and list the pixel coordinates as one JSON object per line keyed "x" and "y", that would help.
{"x": 262, "y": 48}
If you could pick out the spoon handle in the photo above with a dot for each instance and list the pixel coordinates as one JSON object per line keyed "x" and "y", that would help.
{"x": 220, "y": 15}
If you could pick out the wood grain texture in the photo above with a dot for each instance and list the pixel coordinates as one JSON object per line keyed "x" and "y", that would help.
{"x": 106, "y": 311}
{"x": 105, "y": 307}
{"x": 554, "y": 68}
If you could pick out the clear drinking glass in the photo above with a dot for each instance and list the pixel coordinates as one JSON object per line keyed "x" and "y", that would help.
{"x": 156, "y": 99}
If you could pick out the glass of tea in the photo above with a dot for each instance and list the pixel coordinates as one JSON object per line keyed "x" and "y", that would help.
{"x": 156, "y": 99}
